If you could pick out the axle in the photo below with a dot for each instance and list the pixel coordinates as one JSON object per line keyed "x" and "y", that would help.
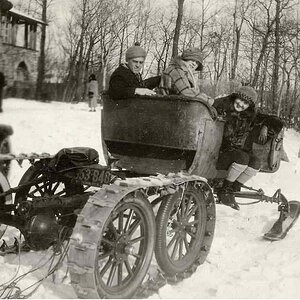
{"x": 25, "y": 210}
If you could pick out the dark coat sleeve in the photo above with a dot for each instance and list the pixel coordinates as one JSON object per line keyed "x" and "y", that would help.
{"x": 274, "y": 123}
{"x": 152, "y": 82}
{"x": 120, "y": 88}
{"x": 123, "y": 83}
{"x": 222, "y": 105}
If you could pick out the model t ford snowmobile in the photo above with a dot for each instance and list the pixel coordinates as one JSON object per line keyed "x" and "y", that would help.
{"x": 153, "y": 198}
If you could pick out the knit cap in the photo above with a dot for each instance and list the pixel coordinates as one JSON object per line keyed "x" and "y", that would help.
{"x": 248, "y": 94}
{"x": 194, "y": 54}
{"x": 135, "y": 51}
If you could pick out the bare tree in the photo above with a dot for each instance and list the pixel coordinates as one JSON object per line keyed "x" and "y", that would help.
{"x": 177, "y": 28}
{"x": 42, "y": 57}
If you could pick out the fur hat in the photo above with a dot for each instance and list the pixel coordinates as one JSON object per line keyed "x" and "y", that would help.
{"x": 135, "y": 51}
{"x": 248, "y": 94}
{"x": 194, "y": 54}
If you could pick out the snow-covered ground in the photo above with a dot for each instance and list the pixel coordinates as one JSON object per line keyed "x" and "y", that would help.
{"x": 240, "y": 264}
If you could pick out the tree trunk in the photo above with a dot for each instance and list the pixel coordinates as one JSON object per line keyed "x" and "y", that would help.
{"x": 41, "y": 61}
{"x": 234, "y": 45}
{"x": 260, "y": 59}
{"x": 177, "y": 28}
{"x": 275, "y": 77}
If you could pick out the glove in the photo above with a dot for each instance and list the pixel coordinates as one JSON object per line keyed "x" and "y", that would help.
{"x": 263, "y": 135}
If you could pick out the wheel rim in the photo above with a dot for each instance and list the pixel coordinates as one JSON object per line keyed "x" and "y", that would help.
{"x": 184, "y": 227}
{"x": 122, "y": 249}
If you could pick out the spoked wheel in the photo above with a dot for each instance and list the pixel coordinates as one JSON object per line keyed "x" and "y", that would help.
{"x": 44, "y": 187}
{"x": 47, "y": 186}
{"x": 125, "y": 243}
{"x": 184, "y": 221}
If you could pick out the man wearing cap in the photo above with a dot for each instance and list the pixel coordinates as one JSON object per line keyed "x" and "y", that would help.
{"x": 126, "y": 81}
{"x": 236, "y": 155}
{"x": 179, "y": 79}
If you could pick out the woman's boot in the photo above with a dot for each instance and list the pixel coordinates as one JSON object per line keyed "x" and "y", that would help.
{"x": 226, "y": 196}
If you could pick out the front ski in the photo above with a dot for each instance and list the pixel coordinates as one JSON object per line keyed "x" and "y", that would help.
{"x": 284, "y": 223}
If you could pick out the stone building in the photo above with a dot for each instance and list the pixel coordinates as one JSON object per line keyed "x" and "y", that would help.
{"x": 19, "y": 51}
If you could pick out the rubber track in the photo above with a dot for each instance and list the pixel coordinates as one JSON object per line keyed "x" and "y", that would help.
{"x": 91, "y": 221}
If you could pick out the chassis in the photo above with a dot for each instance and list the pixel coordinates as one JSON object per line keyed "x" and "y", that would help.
{"x": 154, "y": 196}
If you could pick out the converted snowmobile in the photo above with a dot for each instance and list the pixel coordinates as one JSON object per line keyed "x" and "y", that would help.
{"x": 155, "y": 195}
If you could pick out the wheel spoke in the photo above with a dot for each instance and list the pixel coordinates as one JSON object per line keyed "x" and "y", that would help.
{"x": 134, "y": 227}
{"x": 106, "y": 267}
{"x": 120, "y": 218}
{"x": 172, "y": 241}
{"x": 120, "y": 273}
{"x": 114, "y": 230}
{"x": 38, "y": 189}
{"x": 106, "y": 254}
{"x": 182, "y": 207}
{"x": 186, "y": 243}
{"x": 192, "y": 211}
{"x": 111, "y": 274}
{"x": 136, "y": 240}
{"x": 61, "y": 192}
{"x": 49, "y": 188}
{"x": 55, "y": 187}
{"x": 188, "y": 205}
{"x": 180, "y": 248}
{"x": 175, "y": 248}
{"x": 135, "y": 255}
{"x": 128, "y": 268}
{"x": 128, "y": 221}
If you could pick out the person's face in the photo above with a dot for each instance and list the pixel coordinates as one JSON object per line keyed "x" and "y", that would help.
{"x": 136, "y": 64}
{"x": 193, "y": 65}
{"x": 240, "y": 105}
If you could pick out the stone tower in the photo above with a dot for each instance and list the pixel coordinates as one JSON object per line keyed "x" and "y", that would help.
{"x": 18, "y": 50}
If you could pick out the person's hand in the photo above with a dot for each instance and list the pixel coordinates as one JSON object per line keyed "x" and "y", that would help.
{"x": 263, "y": 135}
{"x": 210, "y": 100}
{"x": 144, "y": 92}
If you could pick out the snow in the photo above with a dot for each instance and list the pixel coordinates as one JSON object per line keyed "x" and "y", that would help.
{"x": 240, "y": 264}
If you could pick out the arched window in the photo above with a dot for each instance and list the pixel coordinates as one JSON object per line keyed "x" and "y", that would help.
{"x": 22, "y": 72}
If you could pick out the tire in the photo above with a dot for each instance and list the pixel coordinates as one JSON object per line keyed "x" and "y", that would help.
{"x": 182, "y": 224}
{"x": 125, "y": 243}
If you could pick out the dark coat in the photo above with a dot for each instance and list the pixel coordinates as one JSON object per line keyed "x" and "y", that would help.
{"x": 242, "y": 129}
{"x": 237, "y": 124}
{"x": 123, "y": 83}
